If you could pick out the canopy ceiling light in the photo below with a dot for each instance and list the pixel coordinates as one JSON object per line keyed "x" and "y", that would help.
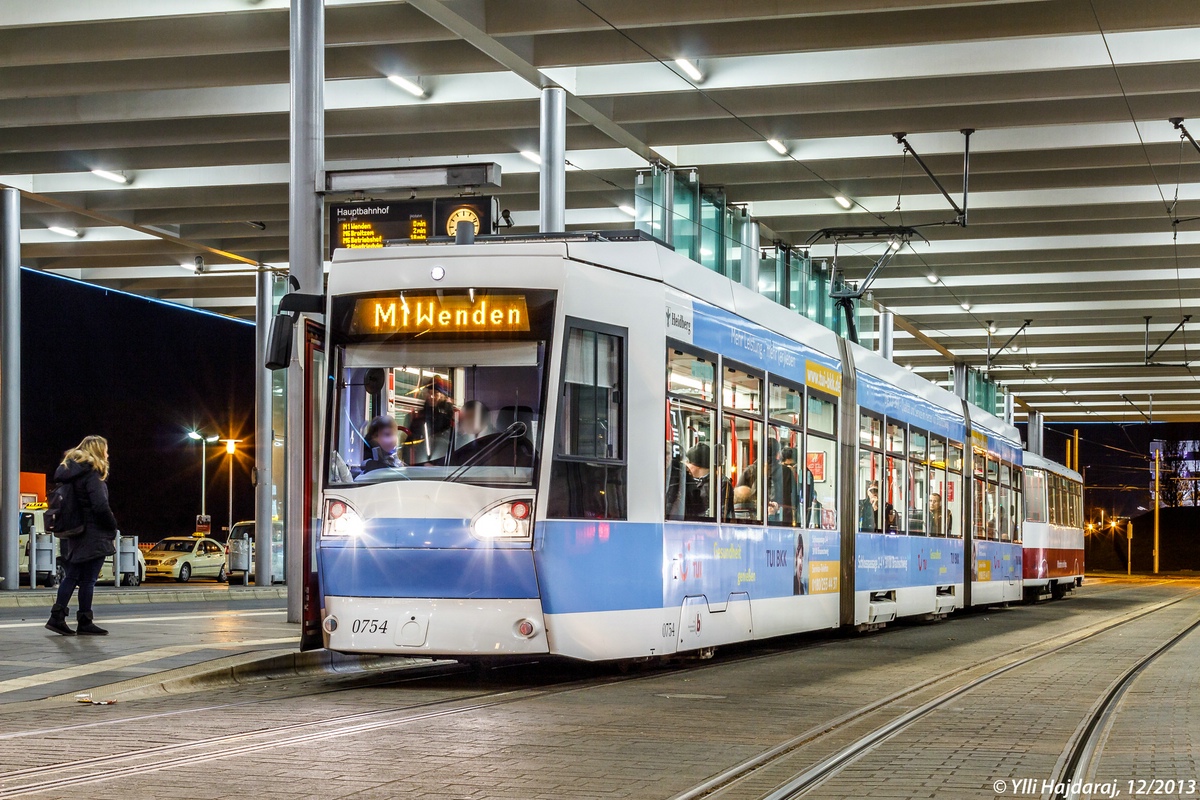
{"x": 115, "y": 177}
{"x": 843, "y": 202}
{"x": 778, "y": 146}
{"x": 691, "y": 69}
{"x": 61, "y": 231}
{"x": 413, "y": 88}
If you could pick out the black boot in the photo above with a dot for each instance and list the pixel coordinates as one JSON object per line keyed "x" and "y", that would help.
{"x": 88, "y": 628}
{"x": 58, "y": 621}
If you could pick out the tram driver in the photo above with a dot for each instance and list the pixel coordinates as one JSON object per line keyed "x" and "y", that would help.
{"x": 383, "y": 438}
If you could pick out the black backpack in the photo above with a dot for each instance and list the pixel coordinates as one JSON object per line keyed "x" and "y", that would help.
{"x": 64, "y": 516}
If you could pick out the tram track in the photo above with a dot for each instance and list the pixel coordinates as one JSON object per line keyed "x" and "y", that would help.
{"x": 32, "y": 780}
{"x": 376, "y": 679}
{"x": 236, "y": 744}
{"x": 1084, "y": 749}
{"x": 164, "y": 757}
{"x": 724, "y": 783}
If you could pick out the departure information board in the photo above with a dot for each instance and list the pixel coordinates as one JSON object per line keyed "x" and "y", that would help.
{"x": 375, "y": 222}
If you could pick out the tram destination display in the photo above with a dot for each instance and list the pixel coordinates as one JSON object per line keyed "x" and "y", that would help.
{"x": 376, "y": 222}
{"x": 446, "y": 313}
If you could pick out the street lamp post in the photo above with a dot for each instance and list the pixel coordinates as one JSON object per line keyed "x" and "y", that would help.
{"x": 204, "y": 441}
{"x": 231, "y": 449}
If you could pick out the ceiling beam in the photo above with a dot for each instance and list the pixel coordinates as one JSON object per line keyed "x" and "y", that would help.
{"x": 477, "y": 36}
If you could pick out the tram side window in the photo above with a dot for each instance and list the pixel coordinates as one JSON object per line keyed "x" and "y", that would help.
{"x": 992, "y": 503}
{"x": 872, "y": 481}
{"x": 978, "y": 505}
{"x": 896, "y": 492}
{"x": 1018, "y": 505}
{"x": 587, "y": 477}
{"x": 955, "y": 488}
{"x": 1004, "y": 510}
{"x": 750, "y": 477}
{"x": 937, "y": 515}
{"x": 1052, "y": 491}
{"x": 1035, "y": 496}
{"x": 788, "y": 488}
{"x": 690, "y": 451}
{"x": 918, "y": 490}
{"x": 819, "y": 486}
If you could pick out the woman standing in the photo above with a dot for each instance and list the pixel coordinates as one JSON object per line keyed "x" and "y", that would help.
{"x": 86, "y": 468}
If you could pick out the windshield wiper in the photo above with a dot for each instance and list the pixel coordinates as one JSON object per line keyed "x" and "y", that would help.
{"x": 518, "y": 428}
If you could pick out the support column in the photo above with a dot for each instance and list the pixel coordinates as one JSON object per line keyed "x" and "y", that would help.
{"x": 667, "y": 234}
{"x": 1010, "y": 408}
{"x": 887, "y": 329}
{"x": 552, "y": 186}
{"x": 751, "y": 258}
{"x": 305, "y": 257}
{"x": 264, "y": 432}
{"x": 1035, "y": 436}
{"x": 10, "y": 387}
{"x": 960, "y": 380}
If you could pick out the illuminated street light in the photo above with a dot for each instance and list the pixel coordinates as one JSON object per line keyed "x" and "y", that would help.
{"x": 204, "y": 441}
{"x": 231, "y": 449}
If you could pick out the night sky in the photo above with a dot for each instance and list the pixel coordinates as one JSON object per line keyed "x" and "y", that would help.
{"x": 1117, "y": 459}
{"x": 140, "y": 373}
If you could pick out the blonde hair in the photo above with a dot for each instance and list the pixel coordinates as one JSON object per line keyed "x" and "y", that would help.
{"x": 93, "y": 451}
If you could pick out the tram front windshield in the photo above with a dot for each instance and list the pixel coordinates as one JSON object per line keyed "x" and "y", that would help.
{"x": 438, "y": 405}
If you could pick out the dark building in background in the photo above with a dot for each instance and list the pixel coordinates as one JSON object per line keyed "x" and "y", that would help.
{"x": 1115, "y": 462}
{"x": 141, "y": 373}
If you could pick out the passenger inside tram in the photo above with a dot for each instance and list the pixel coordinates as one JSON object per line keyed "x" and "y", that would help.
{"x": 432, "y": 427}
{"x": 474, "y": 422}
{"x": 744, "y": 507}
{"x": 939, "y": 520}
{"x": 868, "y": 509}
{"x": 698, "y": 503}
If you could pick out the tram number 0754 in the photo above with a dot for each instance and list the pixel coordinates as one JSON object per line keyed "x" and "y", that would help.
{"x": 369, "y": 626}
{"x": 668, "y": 630}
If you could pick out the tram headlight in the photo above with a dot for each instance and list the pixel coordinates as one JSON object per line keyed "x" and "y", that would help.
{"x": 509, "y": 520}
{"x": 341, "y": 520}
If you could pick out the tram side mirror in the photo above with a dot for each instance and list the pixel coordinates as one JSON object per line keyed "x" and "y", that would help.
{"x": 374, "y": 380}
{"x": 291, "y": 306}
{"x": 279, "y": 345}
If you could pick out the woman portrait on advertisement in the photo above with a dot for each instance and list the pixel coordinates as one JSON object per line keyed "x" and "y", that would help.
{"x": 800, "y": 576}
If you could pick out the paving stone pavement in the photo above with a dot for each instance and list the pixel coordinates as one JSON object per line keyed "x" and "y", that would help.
{"x": 558, "y": 731}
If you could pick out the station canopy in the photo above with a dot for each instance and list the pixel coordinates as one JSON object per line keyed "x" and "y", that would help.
{"x": 1083, "y": 196}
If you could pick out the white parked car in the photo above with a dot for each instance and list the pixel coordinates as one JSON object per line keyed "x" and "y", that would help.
{"x": 187, "y": 557}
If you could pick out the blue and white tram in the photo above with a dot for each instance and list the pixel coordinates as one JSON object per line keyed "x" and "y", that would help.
{"x": 602, "y": 450}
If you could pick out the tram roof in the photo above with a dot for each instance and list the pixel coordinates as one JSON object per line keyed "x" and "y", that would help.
{"x": 1075, "y": 168}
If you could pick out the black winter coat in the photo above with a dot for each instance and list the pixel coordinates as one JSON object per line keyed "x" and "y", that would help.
{"x": 100, "y": 526}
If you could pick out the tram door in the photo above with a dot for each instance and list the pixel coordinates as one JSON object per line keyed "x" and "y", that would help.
{"x": 315, "y": 381}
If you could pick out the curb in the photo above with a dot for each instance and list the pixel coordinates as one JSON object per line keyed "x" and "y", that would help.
{"x": 248, "y": 667}
{"x": 44, "y": 598}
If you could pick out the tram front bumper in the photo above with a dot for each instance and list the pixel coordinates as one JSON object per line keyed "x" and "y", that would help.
{"x": 434, "y": 626}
